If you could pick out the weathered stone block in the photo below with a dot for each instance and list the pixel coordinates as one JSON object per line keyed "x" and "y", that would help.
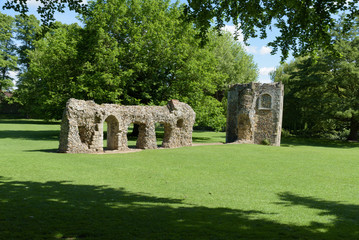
{"x": 82, "y": 125}
{"x": 255, "y": 113}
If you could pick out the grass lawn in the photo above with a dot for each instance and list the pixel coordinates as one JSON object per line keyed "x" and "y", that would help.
{"x": 301, "y": 190}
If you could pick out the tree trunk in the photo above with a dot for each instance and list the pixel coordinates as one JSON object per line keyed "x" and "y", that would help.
{"x": 354, "y": 128}
{"x": 135, "y": 130}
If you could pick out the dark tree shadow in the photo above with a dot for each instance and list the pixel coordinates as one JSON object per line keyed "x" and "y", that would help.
{"x": 62, "y": 210}
{"x": 26, "y": 121}
{"x": 314, "y": 142}
{"x": 200, "y": 139}
{"x": 50, "y": 135}
{"x": 47, "y": 150}
{"x": 346, "y": 223}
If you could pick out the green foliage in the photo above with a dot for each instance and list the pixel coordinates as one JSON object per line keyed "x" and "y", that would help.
{"x": 304, "y": 25}
{"x": 322, "y": 91}
{"x": 47, "y": 8}
{"x": 133, "y": 52}
{"x": 44, "y": 89}
{"x": 8, "y": 59}
{"x": 27, "y": 31}
{"x": 266, "y": 142}
{"x": 233, "y": 61}
{"x": 235, "y": 65}
{"x": 285, "y": 133}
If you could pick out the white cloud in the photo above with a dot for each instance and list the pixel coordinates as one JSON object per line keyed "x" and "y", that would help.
{"x": 229, "y": 28}
{"x": 251, "y": 49}
{"x": 232, "y": 30}
{"x": 266, "y": 70}
{"x": 33, "y": 3}
{"x": 265, "y": 50}
{"x": 265, "y": 80}
{"x": 13, "y": 74}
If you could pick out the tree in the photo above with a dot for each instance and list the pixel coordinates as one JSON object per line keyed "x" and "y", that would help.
{"x": 47, "y": 7}
{"x": 297, "y": 115}
{"x": 7, "y": 52}
{"x": 161, "y": 58}
{"x": 232, "y": 61}
{"x": 304, "y": 25}
{"x": 323, "y": 90}
{"x": 27, "y": 32}
{"x": 133, "y": 52}
{"x": 234, "y": 65}
{"x": 45, "y": 86}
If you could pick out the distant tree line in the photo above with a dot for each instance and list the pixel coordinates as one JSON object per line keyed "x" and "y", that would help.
{"x": 127, "y": 52}
{"x": 322, "y": 89}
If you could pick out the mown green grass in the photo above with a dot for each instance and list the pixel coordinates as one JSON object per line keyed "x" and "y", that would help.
{"x": 301, "y": 190}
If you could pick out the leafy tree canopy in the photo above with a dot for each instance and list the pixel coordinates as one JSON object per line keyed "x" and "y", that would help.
{"x": 47, "y": 8}
{"x": 304, "y": 25}
{"x": 8, "y": 58}
{"x": 322, "y": 91}
{"x": 27, "y": 31}
{"x": 133, "y": 52}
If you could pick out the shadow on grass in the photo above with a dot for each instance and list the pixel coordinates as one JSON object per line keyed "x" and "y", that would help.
{"x": 346, "y": 224}
{"x": 61, "y": 210}
{"x": 200, "y": 139}
{"x": 314, "y": 142}
{"x": 49, "y": 150}
{"x": 28, "y": 121}
{"x": 51, "y": 135}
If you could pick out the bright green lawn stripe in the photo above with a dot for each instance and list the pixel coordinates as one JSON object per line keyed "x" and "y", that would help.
{"x": 297, "y": 191}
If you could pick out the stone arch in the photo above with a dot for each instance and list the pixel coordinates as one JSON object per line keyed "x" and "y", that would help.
{"x": 146, "y": 135}
{"x": 82, "y": 127}
{"x": 112, "y": 132}
{"x": 265, "y": 101}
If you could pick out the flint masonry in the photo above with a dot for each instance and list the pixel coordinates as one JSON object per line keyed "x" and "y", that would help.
{"x": 83, "y": 121}
{"x": 254, "y": 113}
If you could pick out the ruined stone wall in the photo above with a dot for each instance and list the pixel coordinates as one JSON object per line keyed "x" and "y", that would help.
{"x": 82, "y": 126}
{"x": 255, "y": 113}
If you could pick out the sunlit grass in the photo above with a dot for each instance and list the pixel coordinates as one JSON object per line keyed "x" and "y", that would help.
{"x": 302, "y": 190}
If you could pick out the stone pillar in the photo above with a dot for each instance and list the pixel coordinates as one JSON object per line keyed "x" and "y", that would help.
{"x": 168, "y": 135}
{"x": 112, "y": 133}
{"x": 147, "y": 136}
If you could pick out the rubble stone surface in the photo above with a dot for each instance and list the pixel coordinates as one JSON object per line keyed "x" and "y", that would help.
{"x": 254, "y": 113}
{"x": 83, "y": 122}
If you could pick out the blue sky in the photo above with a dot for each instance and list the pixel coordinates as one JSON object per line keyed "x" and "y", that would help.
{"x": 257, "y": 47}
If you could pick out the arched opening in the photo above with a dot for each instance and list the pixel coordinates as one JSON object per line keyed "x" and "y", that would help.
{"x": 82, "y": 134}
{"x": 131, "y": 136}
{"x": 111, "y": 131}
{"x": 146, "y": 138}
{"x": 159, "y": 128}
{"x": 265, "y": 101}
